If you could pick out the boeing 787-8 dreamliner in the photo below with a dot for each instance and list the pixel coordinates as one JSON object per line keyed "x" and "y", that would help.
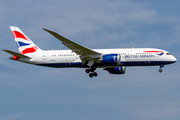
{"x": 112, "y": 60}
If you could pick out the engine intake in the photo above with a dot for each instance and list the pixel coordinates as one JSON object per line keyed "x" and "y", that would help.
{"x": 116, "y": 70}
{"x": 111, "y": 59}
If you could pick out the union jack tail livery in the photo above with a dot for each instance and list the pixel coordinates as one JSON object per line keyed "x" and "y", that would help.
{"x": 25, "y": 45}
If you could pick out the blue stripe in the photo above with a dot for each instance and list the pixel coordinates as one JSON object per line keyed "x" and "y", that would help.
{"x": 20, "y": 44}
{"x": 61, "y": 65}
{"x": 146, "y": 63}
{"x": 80, "y": 65}
{"x": 160, "y": 54}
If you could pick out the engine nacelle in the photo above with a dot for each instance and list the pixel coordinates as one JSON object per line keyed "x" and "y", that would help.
{"x": 111, "y": 59}
{"x": 116, "y": 70}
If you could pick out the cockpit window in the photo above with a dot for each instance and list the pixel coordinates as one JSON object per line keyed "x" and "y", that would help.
{"x": 168, "y": 53}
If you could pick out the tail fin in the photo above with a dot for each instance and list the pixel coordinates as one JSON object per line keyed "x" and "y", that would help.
{"x": 25, "y": 45}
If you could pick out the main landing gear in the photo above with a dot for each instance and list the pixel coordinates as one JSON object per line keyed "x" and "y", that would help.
{"x": 160, "y": 70}
{"x": 92, "y": 72}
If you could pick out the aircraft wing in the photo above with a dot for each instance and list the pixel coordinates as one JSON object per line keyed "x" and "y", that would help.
{"x": 86, "y": 54}
{"x": 16, "y": 54}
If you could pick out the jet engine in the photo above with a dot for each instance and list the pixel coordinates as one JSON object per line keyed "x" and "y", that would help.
{"x": 116, "y": 70}
{"x": 111, "y": 59}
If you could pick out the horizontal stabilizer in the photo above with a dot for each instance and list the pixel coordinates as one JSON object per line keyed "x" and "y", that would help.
{"x": 16, "y": 54}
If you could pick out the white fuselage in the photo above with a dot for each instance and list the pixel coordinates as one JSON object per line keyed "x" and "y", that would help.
{"x": 129, "y": 57}
{"x": 112, "y": 60}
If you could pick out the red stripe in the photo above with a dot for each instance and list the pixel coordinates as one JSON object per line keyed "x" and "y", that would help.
{"x": 29, "y": 50}
{"x": 17, "y": 34}
{"x": 154, "y": 51}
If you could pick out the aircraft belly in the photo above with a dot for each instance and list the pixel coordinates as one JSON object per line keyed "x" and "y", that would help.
{"x": 145, "y": 63}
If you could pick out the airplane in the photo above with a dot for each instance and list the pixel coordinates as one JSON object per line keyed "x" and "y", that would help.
{"x": 114, "y": 61}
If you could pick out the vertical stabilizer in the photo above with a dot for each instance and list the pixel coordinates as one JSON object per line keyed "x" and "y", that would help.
{"x": 25, "y": 45}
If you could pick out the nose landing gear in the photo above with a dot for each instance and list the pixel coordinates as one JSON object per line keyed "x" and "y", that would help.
{"x": 160, "y": 70}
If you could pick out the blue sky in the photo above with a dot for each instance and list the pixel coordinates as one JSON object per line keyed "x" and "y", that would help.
{"x": 30, "y": 92}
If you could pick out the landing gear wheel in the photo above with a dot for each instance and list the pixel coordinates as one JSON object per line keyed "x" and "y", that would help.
{"x": 91, "y": 72}
{"x": 90, "y": 75}
{"x": 92, "y": 69}
{"x": 160, "y": 70}
{"x": 95, "y": 74}
{"x": 87, "y": 70}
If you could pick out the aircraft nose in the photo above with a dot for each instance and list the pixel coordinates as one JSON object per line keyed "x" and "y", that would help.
{"x": 174, "y": 59}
